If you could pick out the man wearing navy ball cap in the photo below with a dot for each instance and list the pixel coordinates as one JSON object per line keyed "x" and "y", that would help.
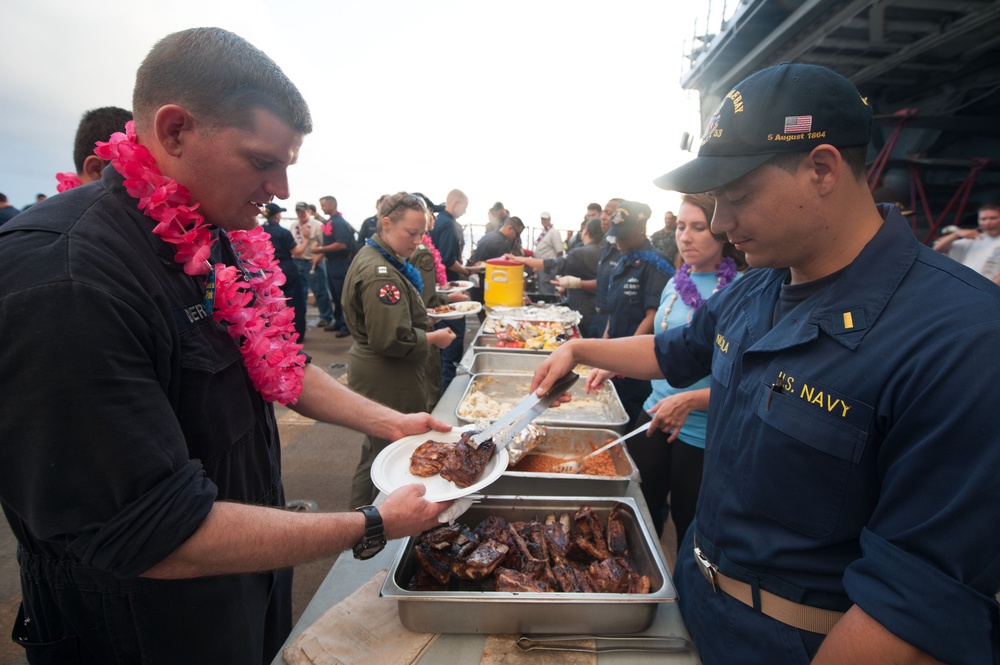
{"x": 848, "y": 510}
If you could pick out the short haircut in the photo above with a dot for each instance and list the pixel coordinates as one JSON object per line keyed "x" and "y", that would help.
{"x": 3, "y": 198}
{"x": 456, "y": 195}
{"x": 97, "y": 125}
{"x": 596, "y": 207}
{"x": 594, "y": 230}
{"x": 854, "y": 158}
{"x": 515, "y": 223}
{"x": 219, "y": 77}
{"x": 990, "y": 205}
{"x": 331, "y": 199}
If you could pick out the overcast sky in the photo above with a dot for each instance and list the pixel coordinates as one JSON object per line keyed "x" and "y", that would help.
{"x": 541, "y": 105}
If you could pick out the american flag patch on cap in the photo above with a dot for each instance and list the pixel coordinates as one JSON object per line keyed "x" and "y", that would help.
{"x": 798, "y": 124}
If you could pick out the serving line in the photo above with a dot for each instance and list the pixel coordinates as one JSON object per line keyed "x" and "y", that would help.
{"x": 347, "y": 574}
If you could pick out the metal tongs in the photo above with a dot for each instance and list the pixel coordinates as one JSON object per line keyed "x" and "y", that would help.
{"x": 504, "y": 429}
{"x": 604, "y": 643}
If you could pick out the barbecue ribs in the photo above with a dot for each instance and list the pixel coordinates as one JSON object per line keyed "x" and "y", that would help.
{"x": 530, "y": 556}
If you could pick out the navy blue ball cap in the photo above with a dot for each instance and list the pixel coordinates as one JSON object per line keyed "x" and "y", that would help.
{"x": 782, "y": 109}
{"x": 628, "y": 219}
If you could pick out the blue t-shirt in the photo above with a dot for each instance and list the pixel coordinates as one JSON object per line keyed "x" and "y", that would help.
{"x": 693, "y": 430}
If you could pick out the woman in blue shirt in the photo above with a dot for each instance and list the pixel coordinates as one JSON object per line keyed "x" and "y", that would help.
{"x": 671, "y": 456}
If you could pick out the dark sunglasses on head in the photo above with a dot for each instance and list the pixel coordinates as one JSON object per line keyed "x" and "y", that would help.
{"x": 408, "y": 200}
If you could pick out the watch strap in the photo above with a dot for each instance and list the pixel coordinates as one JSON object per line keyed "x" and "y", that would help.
{"x": 373, "y": 540}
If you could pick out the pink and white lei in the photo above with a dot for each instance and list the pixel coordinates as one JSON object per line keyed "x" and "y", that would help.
{"x": 440, "y": 275}
{"x": 255, "y": 311}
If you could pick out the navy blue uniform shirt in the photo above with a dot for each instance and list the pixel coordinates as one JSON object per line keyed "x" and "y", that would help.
{"x": 337, "y": 262}
{"x": 634, "y": 286}
{"x": 447, "y": 238}
{"x": 282, "y": 241}
{"x": 607, "y": 262}
{"x": 853, "y": 455}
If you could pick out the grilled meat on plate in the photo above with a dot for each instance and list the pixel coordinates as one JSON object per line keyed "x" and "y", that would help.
{"x": 458, "y": 462}
{"x": 429, "y": 457}
{"x": 466, "y": 464}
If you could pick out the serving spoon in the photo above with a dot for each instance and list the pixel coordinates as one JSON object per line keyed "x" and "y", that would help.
{"x": 574, "y": 466}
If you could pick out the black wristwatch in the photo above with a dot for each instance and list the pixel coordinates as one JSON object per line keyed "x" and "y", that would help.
{"x": 374, "y": 539}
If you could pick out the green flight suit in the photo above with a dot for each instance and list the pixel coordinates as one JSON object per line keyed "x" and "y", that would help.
{"x": 388, "y": 360}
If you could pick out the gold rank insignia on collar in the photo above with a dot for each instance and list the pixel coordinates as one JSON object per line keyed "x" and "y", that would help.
{"x": 849, "y": 321}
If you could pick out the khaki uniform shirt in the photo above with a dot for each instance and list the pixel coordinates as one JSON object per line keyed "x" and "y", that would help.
{"x": 314, "y": 231}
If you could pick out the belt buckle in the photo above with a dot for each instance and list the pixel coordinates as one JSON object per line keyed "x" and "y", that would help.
{"x": 708, "y": 569}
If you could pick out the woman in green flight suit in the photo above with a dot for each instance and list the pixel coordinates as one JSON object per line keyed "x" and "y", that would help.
{"x": 385, "y": 313}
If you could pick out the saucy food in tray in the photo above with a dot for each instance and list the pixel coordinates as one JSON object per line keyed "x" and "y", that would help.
{"x": 598, "y": 465}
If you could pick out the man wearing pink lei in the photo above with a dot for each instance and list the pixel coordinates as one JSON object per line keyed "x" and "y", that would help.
{"x": 145, "y": 489}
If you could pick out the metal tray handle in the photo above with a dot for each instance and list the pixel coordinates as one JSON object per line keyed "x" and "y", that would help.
{"x": 603, "y": 643}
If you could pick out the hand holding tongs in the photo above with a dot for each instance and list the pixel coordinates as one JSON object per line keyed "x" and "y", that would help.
{"x": 504, "y": 429}
{"x": 604, "y": 643}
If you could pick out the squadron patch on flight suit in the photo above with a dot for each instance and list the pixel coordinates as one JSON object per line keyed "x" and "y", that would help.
{"x": 389, "y": 294}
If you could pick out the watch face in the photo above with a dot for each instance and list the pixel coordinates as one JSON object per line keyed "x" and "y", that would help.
{"x": 368, "y": 548}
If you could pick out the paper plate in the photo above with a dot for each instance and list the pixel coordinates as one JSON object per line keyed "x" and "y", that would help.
{"x": 391, "y": 469}
{"x": 452, "y": 287}
{"x": 458, "y": 310}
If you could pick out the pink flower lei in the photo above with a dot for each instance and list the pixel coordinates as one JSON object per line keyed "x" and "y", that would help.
{"x": 67, "y": 181}
{"x": 252, "y": 305}
{"x": 440, "y": 275}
